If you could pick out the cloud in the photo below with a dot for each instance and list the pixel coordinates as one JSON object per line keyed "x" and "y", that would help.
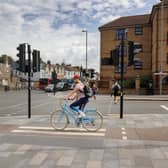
{"x": 55, "y": 27}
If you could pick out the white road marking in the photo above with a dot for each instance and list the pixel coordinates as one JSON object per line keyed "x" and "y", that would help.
{"x": 164, "y": 107}
{"x": 123, "y": 132}
{"x": 12, "y": 106}
{"x": 124, "y": 138}
{"x": 59, "y": 133}
{"x": 51, "y": 128}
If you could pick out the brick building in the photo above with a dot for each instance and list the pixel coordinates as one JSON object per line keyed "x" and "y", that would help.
{"x": 150, "y": 35}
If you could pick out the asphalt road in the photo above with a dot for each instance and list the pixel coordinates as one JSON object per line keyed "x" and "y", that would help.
{"x": 16, "y": 103}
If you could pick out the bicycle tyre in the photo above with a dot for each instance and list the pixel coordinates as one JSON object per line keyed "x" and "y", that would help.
{"x": 59, "y": 120}
{"x": 96, "y": 124}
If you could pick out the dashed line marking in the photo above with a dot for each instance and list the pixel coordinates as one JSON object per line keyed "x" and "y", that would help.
{"x": 124, "y": 138}
{"x": 124, "y": 133}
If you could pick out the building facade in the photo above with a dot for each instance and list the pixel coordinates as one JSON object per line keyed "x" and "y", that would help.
{"x": 149, "y": 33}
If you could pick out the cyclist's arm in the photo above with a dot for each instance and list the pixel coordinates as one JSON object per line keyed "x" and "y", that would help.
{"x": 72, "y": 93}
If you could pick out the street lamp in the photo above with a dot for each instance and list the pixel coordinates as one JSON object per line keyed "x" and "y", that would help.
{"x": 85, "y": 31}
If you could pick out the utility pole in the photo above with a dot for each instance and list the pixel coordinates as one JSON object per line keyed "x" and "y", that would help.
{"x": 29, "y": 81}
{"x": 122, "y": 74}
{"x": 85, "y": 31}
{"x": 161, "y": 43}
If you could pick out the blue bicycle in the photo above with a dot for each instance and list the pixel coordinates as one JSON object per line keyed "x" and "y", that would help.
{"x": 61, "y": 118}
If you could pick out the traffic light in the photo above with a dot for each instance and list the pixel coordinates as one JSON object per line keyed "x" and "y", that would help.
{"x": 22, "y": 54}
{"x": 92, "y": 73}
{"x": 36, "y": 60}
{"x": 130, "y": 53}
{"x": 84, "y": 72}
{"x": 115, "y": 57}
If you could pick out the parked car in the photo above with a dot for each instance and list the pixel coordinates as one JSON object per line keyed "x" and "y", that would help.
{"x": 71, "y": 86}
{"x": 61, "y": 86}
{"x": 49, "y": 88}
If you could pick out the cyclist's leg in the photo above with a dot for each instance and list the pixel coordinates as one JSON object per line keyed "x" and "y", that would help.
{"x": 84, "y": 102}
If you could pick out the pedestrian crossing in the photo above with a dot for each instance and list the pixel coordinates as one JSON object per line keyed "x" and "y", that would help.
{"x": 36, "y": 130}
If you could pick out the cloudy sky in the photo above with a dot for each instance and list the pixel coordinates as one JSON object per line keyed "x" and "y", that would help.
{"x": 55, "y": 26}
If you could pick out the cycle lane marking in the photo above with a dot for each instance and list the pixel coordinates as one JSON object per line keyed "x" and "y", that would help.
{"x": 52, "y": 131}
{"x": 59, "y": 133}
{"x": 51, "y": 128}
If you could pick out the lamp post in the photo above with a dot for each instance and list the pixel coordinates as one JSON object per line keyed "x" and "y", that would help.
{"x": 85, "y": 31}
{"x": 161, "y": 43}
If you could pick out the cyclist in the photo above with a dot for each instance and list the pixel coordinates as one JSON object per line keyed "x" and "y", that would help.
{"x": 78, "y": 94}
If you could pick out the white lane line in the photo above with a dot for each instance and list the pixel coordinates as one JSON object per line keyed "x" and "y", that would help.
{"x": 12, "y": 106}
{"x": 23, "y": 104}
{"x": 59, "y": 133}
{"x": 164, "y": 107}
{"x": 51, "y": 128}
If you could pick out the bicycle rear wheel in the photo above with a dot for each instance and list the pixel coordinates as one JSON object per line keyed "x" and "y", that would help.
{"x": 93, "y": 122}
{"x": 59, "y": 120}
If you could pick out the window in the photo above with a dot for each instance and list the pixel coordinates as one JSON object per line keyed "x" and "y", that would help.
{"x": 138, "y": 64}
{"x": 119, "y": 34}
{"x": 137, "y": 47}
{"x": 106, "y": 61}
{"x": 138, "y": 30}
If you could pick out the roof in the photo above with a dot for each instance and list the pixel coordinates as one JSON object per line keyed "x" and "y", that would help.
{"x": 127, "y": 21}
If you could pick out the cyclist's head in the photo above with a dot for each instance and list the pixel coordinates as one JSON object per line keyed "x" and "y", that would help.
{"x": 76, "y": 78}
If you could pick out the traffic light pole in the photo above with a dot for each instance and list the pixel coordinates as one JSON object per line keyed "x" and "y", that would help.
{"x": 29, "y": 81}
{"x": 122, "y": 76}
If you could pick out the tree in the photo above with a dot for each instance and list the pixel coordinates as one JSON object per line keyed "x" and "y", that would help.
{"x": 3, "y": 58}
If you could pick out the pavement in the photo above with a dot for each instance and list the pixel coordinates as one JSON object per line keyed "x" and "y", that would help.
{"x": 146, "y": 97}
{"x": 136, "y": 141}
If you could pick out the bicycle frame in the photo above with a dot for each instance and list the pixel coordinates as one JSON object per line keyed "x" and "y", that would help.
{"x": 73, "y": 114}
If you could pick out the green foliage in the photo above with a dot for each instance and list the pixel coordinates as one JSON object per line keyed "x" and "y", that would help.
{"x": 129, "y": 83}
{"x": 3, "y": 58}
{"x": 144, "y": 81}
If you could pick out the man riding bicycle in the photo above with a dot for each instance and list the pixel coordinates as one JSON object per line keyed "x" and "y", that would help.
{"x": 78, "y": 94}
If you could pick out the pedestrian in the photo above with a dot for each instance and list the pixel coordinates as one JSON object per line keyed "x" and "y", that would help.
{"x": 116, "y": 89}
{"x": 94, "y": 90}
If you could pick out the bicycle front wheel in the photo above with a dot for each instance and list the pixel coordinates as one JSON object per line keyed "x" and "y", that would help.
{"x": 59, "y": 120}
{"x": 93, "y": 122}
